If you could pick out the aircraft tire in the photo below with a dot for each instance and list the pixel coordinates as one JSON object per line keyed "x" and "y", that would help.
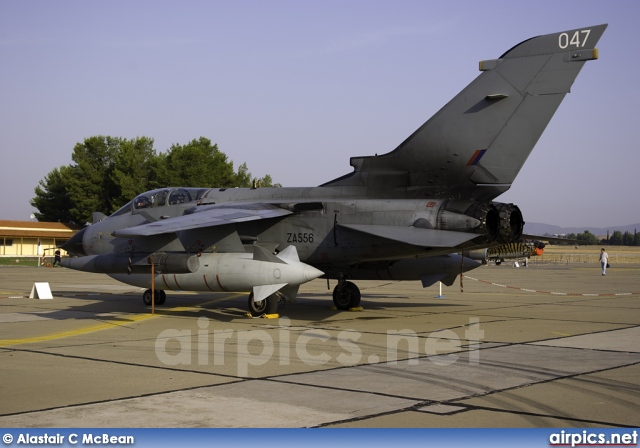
{"x": 146, "y": 297}
{"x": 266, "y": 306}
{"x": 160, "y": 298}
{"x": 346, "y": 296}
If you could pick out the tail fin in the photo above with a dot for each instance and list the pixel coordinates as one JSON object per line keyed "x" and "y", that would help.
{"x": 474, "y": 147}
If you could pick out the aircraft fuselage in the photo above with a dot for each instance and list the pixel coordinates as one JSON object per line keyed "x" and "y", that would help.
{"x": 319, "y": 230}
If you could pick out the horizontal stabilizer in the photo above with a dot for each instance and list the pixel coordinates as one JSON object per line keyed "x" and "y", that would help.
{"x": 551, "y": 239}
{"x": 413, "y": 235}
{"x": 262, "y": 292}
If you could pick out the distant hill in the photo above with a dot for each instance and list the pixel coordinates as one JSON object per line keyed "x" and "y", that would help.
{"x": 536, "y": 228}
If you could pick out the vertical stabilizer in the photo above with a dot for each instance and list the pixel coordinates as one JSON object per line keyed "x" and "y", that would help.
{"x": 475, "y": 145}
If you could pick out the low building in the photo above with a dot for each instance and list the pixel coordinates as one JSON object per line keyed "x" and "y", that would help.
{"x": 32, "y": 238}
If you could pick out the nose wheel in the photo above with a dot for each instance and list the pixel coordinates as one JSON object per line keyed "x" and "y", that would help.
{"x": 346, "y": 295}
{"x": 160, "y": 297}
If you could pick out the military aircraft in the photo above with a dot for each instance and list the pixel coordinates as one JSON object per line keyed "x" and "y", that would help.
{"x": 404, "y": 215}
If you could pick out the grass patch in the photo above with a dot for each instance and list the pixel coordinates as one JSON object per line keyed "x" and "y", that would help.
{"x": 21, "y": 261}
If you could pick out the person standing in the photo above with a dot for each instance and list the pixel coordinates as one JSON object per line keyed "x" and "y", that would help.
{"x": 604, "y": 261}
{"x": 57, "y": 260}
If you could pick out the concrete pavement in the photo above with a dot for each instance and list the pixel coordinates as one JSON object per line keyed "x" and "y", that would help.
{"x": 527, "y": 347}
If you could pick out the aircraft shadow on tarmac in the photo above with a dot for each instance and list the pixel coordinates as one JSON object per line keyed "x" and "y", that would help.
{"x": 316, "y": 307}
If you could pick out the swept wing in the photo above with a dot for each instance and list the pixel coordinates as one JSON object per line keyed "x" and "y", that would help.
{"x": 206, "y": 216}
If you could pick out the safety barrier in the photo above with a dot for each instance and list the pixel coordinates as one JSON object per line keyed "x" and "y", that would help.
{"x": 551, "y": 292}
{"x": 586, "y": 258}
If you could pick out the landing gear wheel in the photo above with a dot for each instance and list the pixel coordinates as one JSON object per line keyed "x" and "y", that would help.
{"x": 160, "y": 298}
{"x": 146, "y": 297}
{"x": 266, "y": 306}
{"x": 346, "y": 296}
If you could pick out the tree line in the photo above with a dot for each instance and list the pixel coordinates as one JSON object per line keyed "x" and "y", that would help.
{"x": 616, "y": 239}
{"x": 107, "y": 172}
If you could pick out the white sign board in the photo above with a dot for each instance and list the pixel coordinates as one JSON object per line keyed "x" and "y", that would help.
{"x": 41, "y": 291}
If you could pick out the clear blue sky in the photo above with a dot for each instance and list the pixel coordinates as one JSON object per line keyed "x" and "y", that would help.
{"x": 294, "y": 88}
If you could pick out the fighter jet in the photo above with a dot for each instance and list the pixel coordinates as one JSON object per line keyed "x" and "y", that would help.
{"x": 404, "y": 215}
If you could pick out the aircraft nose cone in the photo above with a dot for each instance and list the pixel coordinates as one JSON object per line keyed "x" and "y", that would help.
{"x": 74, "y": 244}
{"x": 311, "y": 273}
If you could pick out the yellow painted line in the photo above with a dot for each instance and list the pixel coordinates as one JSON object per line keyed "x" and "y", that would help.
{"x": 105, "y": 326}
{"x": 70, "y": 333}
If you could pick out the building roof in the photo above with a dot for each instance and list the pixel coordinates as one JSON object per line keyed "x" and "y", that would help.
{"x": 34, "y": 229}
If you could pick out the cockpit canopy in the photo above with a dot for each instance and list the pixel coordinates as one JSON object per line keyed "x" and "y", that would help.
{"x": 154, "y": 198}
{"x": 161, "y": 198}
{"x": 167, "y": 196}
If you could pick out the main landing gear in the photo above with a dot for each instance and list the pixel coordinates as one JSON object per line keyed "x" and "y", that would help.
{"x": 160, "y": 297}
{"x": 346, "y": 295}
